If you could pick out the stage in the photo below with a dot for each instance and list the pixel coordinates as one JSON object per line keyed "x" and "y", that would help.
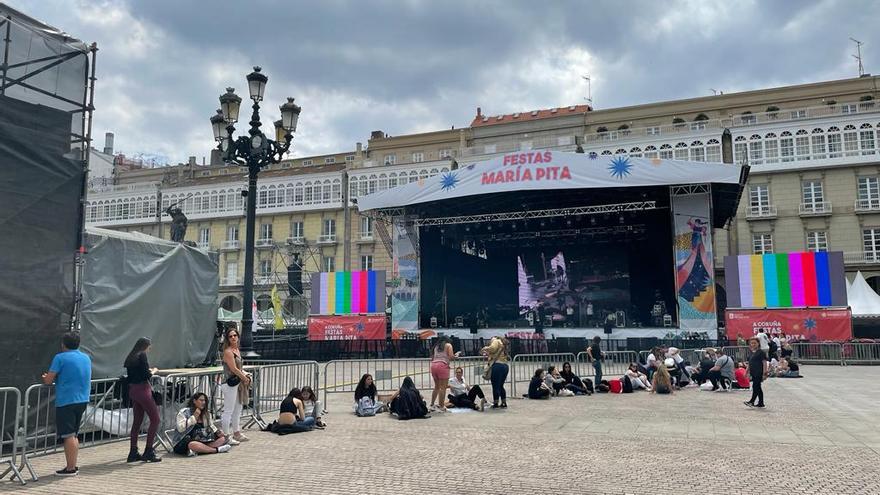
{"x": 566, "y": 243}
{"x": 551, "y": 333}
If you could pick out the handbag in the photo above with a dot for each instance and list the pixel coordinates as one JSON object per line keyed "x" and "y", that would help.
{"x": 487, "y": 372}
{"x": 233, "y": 381}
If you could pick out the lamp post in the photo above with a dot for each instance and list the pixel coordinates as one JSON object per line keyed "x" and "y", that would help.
{"x": 254, "y": 151}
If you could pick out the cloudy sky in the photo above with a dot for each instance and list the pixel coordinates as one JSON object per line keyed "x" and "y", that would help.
{"x": 415, "y": 65}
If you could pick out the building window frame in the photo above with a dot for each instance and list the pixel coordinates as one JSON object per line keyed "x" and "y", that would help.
{"x": 762, "y": 243}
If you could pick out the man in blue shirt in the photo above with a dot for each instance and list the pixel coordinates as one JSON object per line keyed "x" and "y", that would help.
{"x": 71, "y": 371}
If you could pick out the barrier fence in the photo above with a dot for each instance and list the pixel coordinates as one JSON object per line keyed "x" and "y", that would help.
{"x": 523, "y": 366}
{"x": 614, "y": 363}
{"x": 10, "y": 419}
{"x": 826, "y": 353}
{"x": 861, "y": 353}
{"x": 273, "y": 382}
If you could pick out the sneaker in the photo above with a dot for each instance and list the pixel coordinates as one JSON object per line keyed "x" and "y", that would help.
{"x": 134, "y": 456}
{"x": 190, "y": 453}
{"x": 224, "y": 448}
{"x": 495, "y": 406}
{"x": 749, "y": 404}
{"x": 150, "y": 456}
{"x": 65, "y": 472}
{"x": 504, "y": 405}
{"x": 232, "y": 441}
{"x": 759, "y": 405}
{"x": 240, "y": 437}
{"x": 482, "y": 405}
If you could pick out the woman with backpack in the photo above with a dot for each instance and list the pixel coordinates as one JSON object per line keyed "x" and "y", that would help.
{"x": 365, "y": 403}
{"x": 141, "y": 395}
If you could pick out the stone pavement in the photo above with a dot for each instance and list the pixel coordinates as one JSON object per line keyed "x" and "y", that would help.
{"x": 818, "y": 435}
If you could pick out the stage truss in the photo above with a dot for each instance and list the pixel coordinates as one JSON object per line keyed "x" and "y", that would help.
{"x": 526, "y": 215}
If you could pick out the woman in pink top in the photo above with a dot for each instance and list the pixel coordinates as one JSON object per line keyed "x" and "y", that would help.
{"x": 441, "y": 353}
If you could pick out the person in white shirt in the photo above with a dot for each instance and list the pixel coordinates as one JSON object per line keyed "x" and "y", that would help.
{"x": 653, "y": 361}
{"x": 463, "y": 395}
{"x": 637, "y": 378}
{"x": 763, "y": 341}
{"x": 675, "y": 354}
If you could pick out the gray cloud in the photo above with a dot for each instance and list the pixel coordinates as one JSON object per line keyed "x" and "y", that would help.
{"x": 418, "y": 65}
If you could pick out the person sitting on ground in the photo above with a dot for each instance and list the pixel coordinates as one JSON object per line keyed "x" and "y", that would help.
{"x": 662, "y": 382}
{"x": 463, "y": 395}
{"x": 675, "y": 354}
{"x": 707, "y": 361}
{"x": 312, "y": 406}
{"x": 653, "y": 361}
{"x": 407, "y": 402}
{"x": 575, "y": 383}
{"x": 722, "y": 374}
{"x": 293, "y": 411}
{"x": 637, "y": 378}
{"x": 788, "y": 368}
{"x": 741, "y": 376}
{"x": 365, "y": 403}
{"x": 538, "y": 389}
{"x": 786, "y": 350}
{"x": 196, "y": 432}
{"x": 673, "y": 372}
{"x": 555, "y": 382}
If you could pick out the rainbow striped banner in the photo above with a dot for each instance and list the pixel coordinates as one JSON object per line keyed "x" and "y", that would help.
{"x": 345, "y": 293}
{"x": 785, "y": 280}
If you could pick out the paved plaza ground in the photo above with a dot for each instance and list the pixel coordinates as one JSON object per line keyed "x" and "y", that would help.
{"x": 818, "y": 434}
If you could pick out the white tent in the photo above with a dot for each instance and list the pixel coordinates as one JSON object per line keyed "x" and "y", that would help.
{"x": 862, "y": 298}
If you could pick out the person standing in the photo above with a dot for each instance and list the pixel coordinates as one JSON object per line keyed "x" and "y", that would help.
{"x": 441, "y": 353}
{"x": 758, "y": 371}
{"x": 71, "y": 372}
{"x": 141, "y": 395}
{"x": 595, "y": 354}
{"x": 763, "y": 342}
{"x": 496, "y": 359}
{"x": 235, "y": 388}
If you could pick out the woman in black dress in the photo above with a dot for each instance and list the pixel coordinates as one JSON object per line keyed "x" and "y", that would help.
{"x": 758, "y": 370}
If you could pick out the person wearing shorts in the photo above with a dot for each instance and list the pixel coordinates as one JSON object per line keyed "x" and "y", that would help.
{"x": 71, "y": 372}
{"x": 441, "y": 353}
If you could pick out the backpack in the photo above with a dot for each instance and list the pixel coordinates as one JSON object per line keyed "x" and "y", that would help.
{"x": 616, "y": 386}
{"x": 773, "y": 348}
{"x": 627, "y": 384}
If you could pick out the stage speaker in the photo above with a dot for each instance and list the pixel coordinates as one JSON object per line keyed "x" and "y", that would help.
{"x": 294, "y": 280}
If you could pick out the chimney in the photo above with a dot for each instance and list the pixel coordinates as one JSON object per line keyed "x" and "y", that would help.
{"x": 377, "y": 135}
{"x": 359, "y": 149}
{"x": 479, "y": 112}
{"x": 192, "y": 161}
{"x": 215, "y": 157}
{"x": 108, "y": 143}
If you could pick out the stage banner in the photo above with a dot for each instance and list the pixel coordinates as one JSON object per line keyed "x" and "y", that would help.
{"x": 785, "y": 280}
{"x": 814, "y": 325}
{"x": 694, "y": 264}
{"x": 405, "y": 277}
{"x": 348, "y": 327}
{"x": 344, "y": 293}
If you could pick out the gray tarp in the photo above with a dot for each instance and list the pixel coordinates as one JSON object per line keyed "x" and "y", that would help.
{"x": 135, "y": 285}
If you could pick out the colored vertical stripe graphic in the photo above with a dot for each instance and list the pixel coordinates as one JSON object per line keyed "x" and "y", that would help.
{"x": 758, "y": 292}
{"x": 796, "y": 275}
{"x": 811, "y": 297}
{"x": 771, "y": 282}
{"x": 331, "y": 293}
{"x": 365, "y": 292}
{"x": 823, "y": 279}
{"x": 346, "y": 303}
{"x": 356, "y": 292}
{"x": 745, "y": 281}
{"x": 371, "y": 292}
{"x": 783, "y": 280}
{"x": 322, "y": 292}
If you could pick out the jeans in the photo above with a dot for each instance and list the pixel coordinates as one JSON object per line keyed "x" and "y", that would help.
{"x": 597, "y": 366}
{"x": 498, "y": 377}
{"x": 757, "y": 391}
{"x": 141, "y": 395}
{"x": 716, "y": 379}
{"x": 468, "y": 400}
{"x": 308, "y": 422}
{"x": 231, "y": 417}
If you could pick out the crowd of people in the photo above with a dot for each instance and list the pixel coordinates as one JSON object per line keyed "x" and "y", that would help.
{"x": 664, "y": 371}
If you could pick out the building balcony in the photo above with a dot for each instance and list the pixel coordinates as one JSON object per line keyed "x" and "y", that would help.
{"x": 761, "y": 212}
{"x": 263, "y": 280}
{"x": 819, "y": 209}
{"x": 366, "y": 237}
{"x": 862, "y": 258}
{"x": 264, "y": 243}
{"x": 867, "y": 205}
{"x": 230, "y": 246}
{"x": 203, "y": 245}
{"x": 296, "y": 241}
{"x": 327, "y": 239}
{"x": 229, "y": 281}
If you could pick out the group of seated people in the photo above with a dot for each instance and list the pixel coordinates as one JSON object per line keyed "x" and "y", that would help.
{"x": 554, "y": 382}
{"x": 406, "y": 403}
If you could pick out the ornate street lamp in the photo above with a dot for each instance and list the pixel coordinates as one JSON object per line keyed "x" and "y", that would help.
{"x": 255, "y": 152}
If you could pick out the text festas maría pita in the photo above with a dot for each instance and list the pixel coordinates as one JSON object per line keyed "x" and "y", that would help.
{"x": 524, "y": 174}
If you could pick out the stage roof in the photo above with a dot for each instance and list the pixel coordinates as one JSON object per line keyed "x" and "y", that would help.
{"x": 534, "y": 174}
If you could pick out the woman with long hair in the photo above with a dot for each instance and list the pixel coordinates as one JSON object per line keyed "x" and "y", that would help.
{"x": 235, "y": 387}
{"x": 312, "y": 406}
{"x": 365, "y": 403}
{"x": 497, "y": 353}
{"x": 141, "y": 395}
{"x": 407, "y": 402}
{"x": 661, "y": 383}
{"x": 538, "y": 389}
{"x": 441, "y": 353}
{"x": 574, "y": 382}
{"x": 196, "y": 432}
{"x": 293, "y": 411}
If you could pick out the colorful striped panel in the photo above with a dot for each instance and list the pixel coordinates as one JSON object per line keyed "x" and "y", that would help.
{"x": 786, "y": 280}
{"x": 759, "y": 295}
{"x": 771, "y": 282}
{"x": 371, "y": 292}
{"x": 823, "y": 279}
{"x": 342, "y": 293}
{"x": 796, "y": 270}
{"x": 783, "y": 280}
{"x": 811, "y": 295}
{"x": 745, "y": 281}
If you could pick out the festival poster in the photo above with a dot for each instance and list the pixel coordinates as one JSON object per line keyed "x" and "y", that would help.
{"x": 694, "y": 263}
{"x": 813, "y": 325}
{"x": 347, "y": 327}
{"x": 405, "y": 291}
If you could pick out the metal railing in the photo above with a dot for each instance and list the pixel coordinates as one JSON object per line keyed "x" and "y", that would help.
{"x": 272, "y": 383}
{"x": 819, "y": 208}
{"x": 861, "y": 353}
{"x": 10, "y": 419}
{"x": 230, "y": 245}
{"x": 868, "y": 204}
{"x": 738, "y": 353}
{"x": 768, "y": 211}
{"x": 824, "y": 353}
{"x": 523, "y": 366}
{"x": 615, "y": 363}
{"x": 864, "y": 257}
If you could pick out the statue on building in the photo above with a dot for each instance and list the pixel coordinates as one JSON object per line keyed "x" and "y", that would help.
{"x": 178, "y": 223}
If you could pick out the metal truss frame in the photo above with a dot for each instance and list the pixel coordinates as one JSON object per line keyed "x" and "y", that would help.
{"x": 549, "y": 213}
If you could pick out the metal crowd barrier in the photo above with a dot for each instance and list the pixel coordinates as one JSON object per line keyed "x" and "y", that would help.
{"x": 824, "y": 353}
{"x": 10, "y": 419}
{"x": 738, "y": 353}
{"x": 272, "y": 383}
{"x": 388, "y": 374}
{"x": 523, "y": 366}
{"x": 614, "y": 364}
{"x": 861, "y": 353}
